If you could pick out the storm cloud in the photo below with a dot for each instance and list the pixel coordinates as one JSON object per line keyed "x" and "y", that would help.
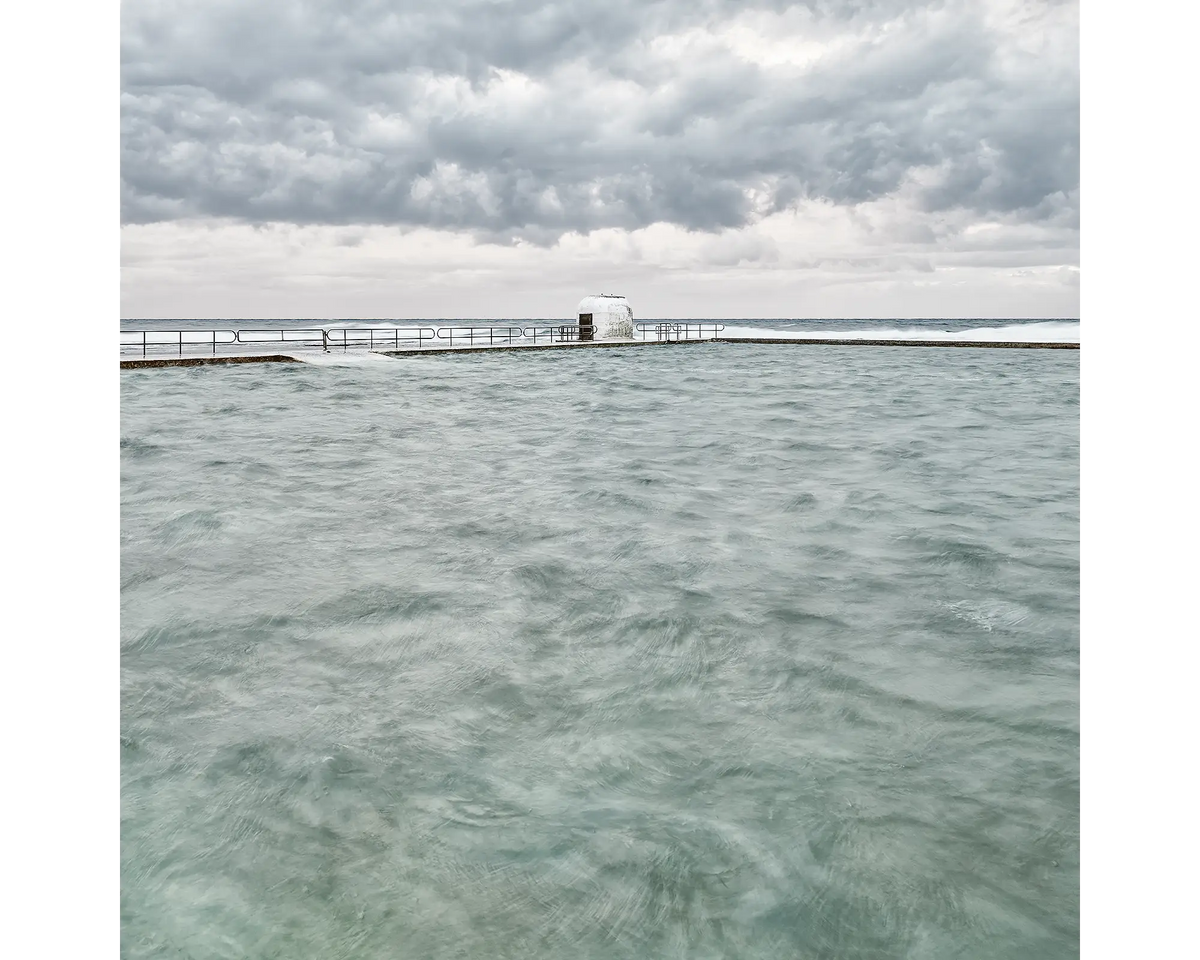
{"x": 523, "y": 121}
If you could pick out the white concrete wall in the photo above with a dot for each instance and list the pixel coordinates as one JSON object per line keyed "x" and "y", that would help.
{"x": 611, "y": 316}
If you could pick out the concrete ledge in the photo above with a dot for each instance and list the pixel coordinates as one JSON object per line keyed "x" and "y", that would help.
{"x": 1003, "y": 344}
{"x": 205, "y": 361}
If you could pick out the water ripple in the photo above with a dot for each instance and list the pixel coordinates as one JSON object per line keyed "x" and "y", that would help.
{"x": 577, "y": 655}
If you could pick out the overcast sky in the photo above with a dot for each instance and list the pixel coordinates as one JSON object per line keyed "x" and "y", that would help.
{"x": 503, "y": 158}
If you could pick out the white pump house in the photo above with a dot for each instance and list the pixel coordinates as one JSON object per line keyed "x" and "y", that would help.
{"x": 605, "y": 317}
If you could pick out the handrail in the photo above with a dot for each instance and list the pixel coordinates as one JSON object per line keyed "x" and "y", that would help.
{"x": 468, "y": 332}
{"x": 679, "y": 329}
{"x": 397, "y": 337}
{"x": 177, "y": 338}
{"x": 325, "y": 337}
{"x": 301, "y": 335}
{"x": 383, "y": 336}
{"x": 554, "y": 332}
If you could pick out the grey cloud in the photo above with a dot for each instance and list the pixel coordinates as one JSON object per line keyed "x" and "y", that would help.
{"x": 311, "y": 112}
{"x": 740, "y": 248}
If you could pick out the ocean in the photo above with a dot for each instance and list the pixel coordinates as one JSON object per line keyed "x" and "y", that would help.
{"x": 728, "y": 651}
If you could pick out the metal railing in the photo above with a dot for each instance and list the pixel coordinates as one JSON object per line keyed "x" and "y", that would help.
{"x": 681, "y": 330}
{"x": 181, "y": 342}
{"x": 553, "y": 332}
{"x": 176, "y": 339}
{"x": 373, "y": 337}
{"x": 479, "y": 335}
{"x": 299, "y": 336}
